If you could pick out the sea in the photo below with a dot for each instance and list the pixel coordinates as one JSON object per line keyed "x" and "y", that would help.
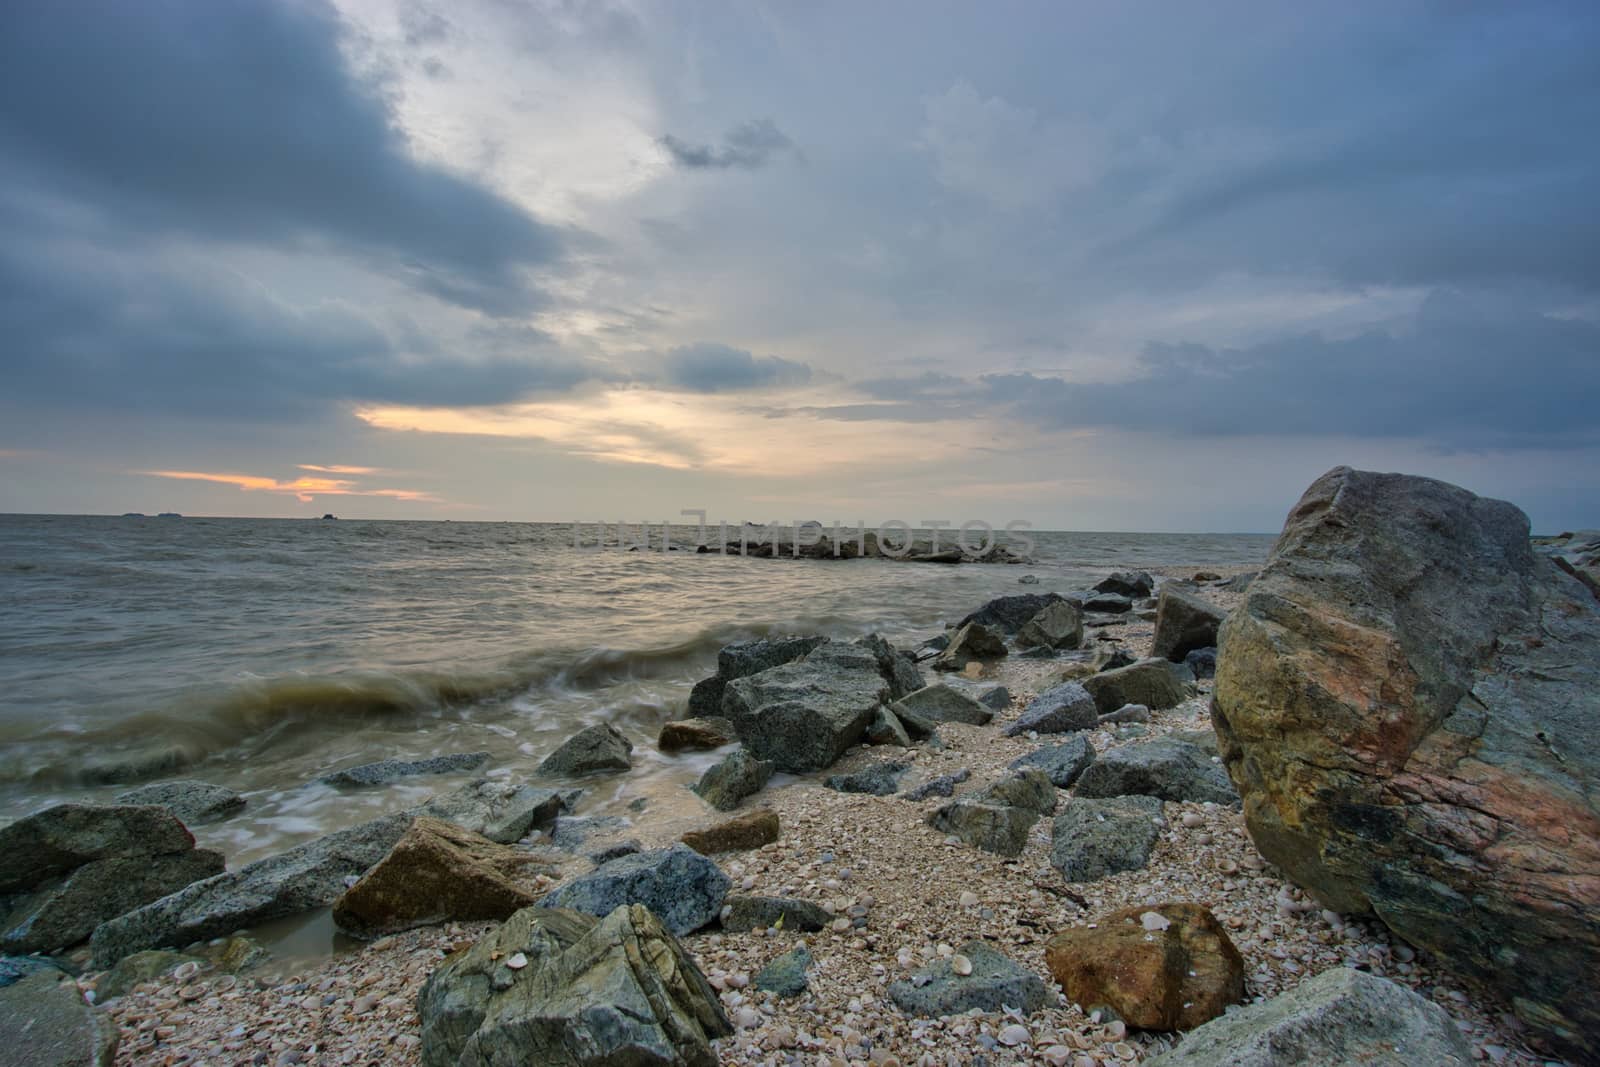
{"x": 262, "y": 654}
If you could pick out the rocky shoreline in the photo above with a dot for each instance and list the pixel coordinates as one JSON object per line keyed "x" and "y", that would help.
{"x": 1018, "y": 843}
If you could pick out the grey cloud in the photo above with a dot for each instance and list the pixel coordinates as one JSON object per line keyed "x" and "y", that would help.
{"x": 714, "y": 368}
{"x": 748, "y": 145}
{"x": 240, "y": 121}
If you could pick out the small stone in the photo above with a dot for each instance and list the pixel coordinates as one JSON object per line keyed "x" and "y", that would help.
{"x": 969, "y": 899}
{"x": 517, "y": 961}
{"x": 1191, "y": 819}
{"x": 961, "y": 965}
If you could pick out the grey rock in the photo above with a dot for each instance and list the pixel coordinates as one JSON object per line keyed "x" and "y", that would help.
{"x": 1062, "y": 763}
{"x": 308, "y": 876}
{"x": 617, "y": 851}
{"x": 1057, "y": 625}
{"x": 786, "y": 975}
{"x": 1205, "y": 740}
{"x": 1155, "y": 683}
{"x": 570, "y": 832}
{"x": 898, "y": 668}
{"x": 1340, "y": 1018}
{"x": 940, "y": 703}
{"x": 752, "y": 657}
{"x": 1202, "y": 662}
{"x": 1059, "y": 710}
{"x": 1239, "y": 582}
{"x": 45, "y": 1022}
{"x": 595, "y": 748}
{"x": 942, "y": 786}
{"x": 1185, "y": 621}
{"x": 1167, "y": 769}
{"x": 996, "y": 982}
{"x": 194, "y": 803}
{"x": 1126, "y": 713}
{"x": 15, "y": 968}
{"x": 138, "y": 968}
{"x": 61, "y": 839}
{"x": 63, "y": 915}
{"x": 736, "y": 776}
{"x": 1011, "y": 613}
{"x": 763, "y": 913}
{"x": 1093, "y": 839}
{"x": 390, "y": 770}
{"x": 1107, "y": 604}
{"x": 1126, "y": 583}
{"x": 1109, "y": 659}
{"x": 1028, "y": 579}
{"x": 705, "y": 697}
{"x": 998, "y": 828}
{"x": 802, "y": 716}
{"x": 1028, "y": 788}
{"x": 680, "y": 887}
{"x": 595, "y": 993}
{"x": 973, "y": 642}
{"x": 996, "y": 699}
{"x": 503, "y": 811}
{"x": 886, "y": 728}
{"x": 880, "y": 779}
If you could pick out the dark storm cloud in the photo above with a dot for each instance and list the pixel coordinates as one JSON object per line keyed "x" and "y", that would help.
{"x": 713, "y": 368}
{"x": 241, "y": 122}
{"x": 748, "y": 145}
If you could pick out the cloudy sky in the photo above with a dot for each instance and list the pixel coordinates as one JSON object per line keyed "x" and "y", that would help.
{"x": 1112, "y": 265}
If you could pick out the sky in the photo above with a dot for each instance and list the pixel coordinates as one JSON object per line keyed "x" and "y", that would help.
{"x": 1091, "y": 265}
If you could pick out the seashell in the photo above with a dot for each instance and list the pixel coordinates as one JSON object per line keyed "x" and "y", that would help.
{"x": 516, "y": 961}
{"x": 1154, "y": 921}
{"x": 192, "y": 992}
{"x": 960, "y": 965}
{"x": 186, "y": 971}
{"x": 1014, "y": 1035}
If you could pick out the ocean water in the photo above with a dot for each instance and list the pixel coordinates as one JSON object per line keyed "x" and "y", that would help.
{"x": 262, "y": 654}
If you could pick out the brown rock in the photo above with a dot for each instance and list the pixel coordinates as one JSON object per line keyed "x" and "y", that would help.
{"x": 750, "y": 830}
{"x": 439, "y": 872}
{"x": 1185, "y": 621}
{"x": 695, "y": 735}
{"x": 1164, "y": 967}
{"x": 1407, "y": 701}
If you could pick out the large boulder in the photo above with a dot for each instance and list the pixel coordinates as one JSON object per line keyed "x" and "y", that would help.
{"x": 66, "y": 913}
{"x": 391, "y": 770}
{"x": 61, "y": 839}
{"x": 992, "y": 982}
{"x": 802, "y": 716}
{"x": 1155, "y": 683}
{"x": 308, "y": 876}
{"x": 1058, "y": 624}
{"x": 194, "y": 803}
{"x": 1161, "y": 967}
{"x": 1185, "y": 621}
{"x": 1341, "y": 1018}
{"x": 681, "y": 887}
{"x": 594, "y": 748}
{"x": 1058, "y": 710}
{"x": 436, "y": 873}
{"x": 45, "y": 1022}
{"x": 563, "y": 989}
{"x": 732, "y": 778}
{"x": 1011, "y": 613}
{"x": 1094, "y": 839}
{"x": 503, "y": 811}
{"x": 1407, "y": 702}
{"x": 1171, "y": 770}
{"x": 740, "y": 660}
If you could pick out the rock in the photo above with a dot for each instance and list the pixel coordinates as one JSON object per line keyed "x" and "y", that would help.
{"x": 1406, "y": 699}
{"x": 1206, "y": 576}
{"x": 1093, "y": 839}
{"x": 237, "y": 954}
{"x": 995, "y": 983}
{"x": 973, "y": 643}
{"x": 1126, "y": 713}
{"x": 742, "y": 660}
{"x": 898, "y": 668}
{"x": 595, "y": 748}
{"x": 762, "y": 913}
{"x": 1185, "y": 621}
{"x": 680, "y": 886}
{"x": 750, "y": 830}
{"x": 1155, "y": 683}
{"x": 1107, "y": 604}
{"x": 880, "y": 779}
{"x": 1062, "y": 763}
{"x": 61, "y": 839}
{"x": 500, "y": 810}
{"x": 998, "y": 828}
{"x": 1202, "y": 661}
{"x": 1167, "y": 769}
{"x": 786, "y": 975}
{"x": 193, "y": 803}
{"x": 804, "y": 715}
{"x": 45, "y": 1022}
{"x": 1029, "y": 789}
{"x": 438, "y": 873}
{"x": 942, "y": 786}
{"x": 1057, "y": 625}
{"x": 138, "y": 968}
{"x": 1239, "y": 582}
{"x": 736, "y": 776}
{"x": 1152, "y": 976}
{"x": 1028, "y": 579}
{"x": 390, "y": 770}
{"x": 620, "y": 990}
{"x": 1062, "y": 709}
{"x": 940, "y": 703}
{"x": 1011, "y": 613}
{"x": 1109, "y": 659}
{"x": 887, "y": 729}
{"x": 1126, "y": 583}
{"x": 65, "y": 914}
{"x": 616, "y": 851}
{"x": 572, "y": 831}
{"x": 696, "y": 735}
{"x": 1340, "y": 1018}
{"x": 996, "y": 699}
{"x": 16, "y": 968}
{"x": 308, "y": 876}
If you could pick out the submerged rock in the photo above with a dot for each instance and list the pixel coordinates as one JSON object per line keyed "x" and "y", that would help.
{"x": 593, "y": 992}
{"x": 995, "y": 982}
{"x": 736, "y": 776}
{"x": 503, "y": 811}
{"x": 1406, "y": 700}
{"x": 45, "y": 1022}
{"x": 595, "y": 748}
{"x": 194, "y": 803}
{"x": 681, "y": 887}
{"x": 1185, "y": 621}
{"x": 390, "y": 770}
